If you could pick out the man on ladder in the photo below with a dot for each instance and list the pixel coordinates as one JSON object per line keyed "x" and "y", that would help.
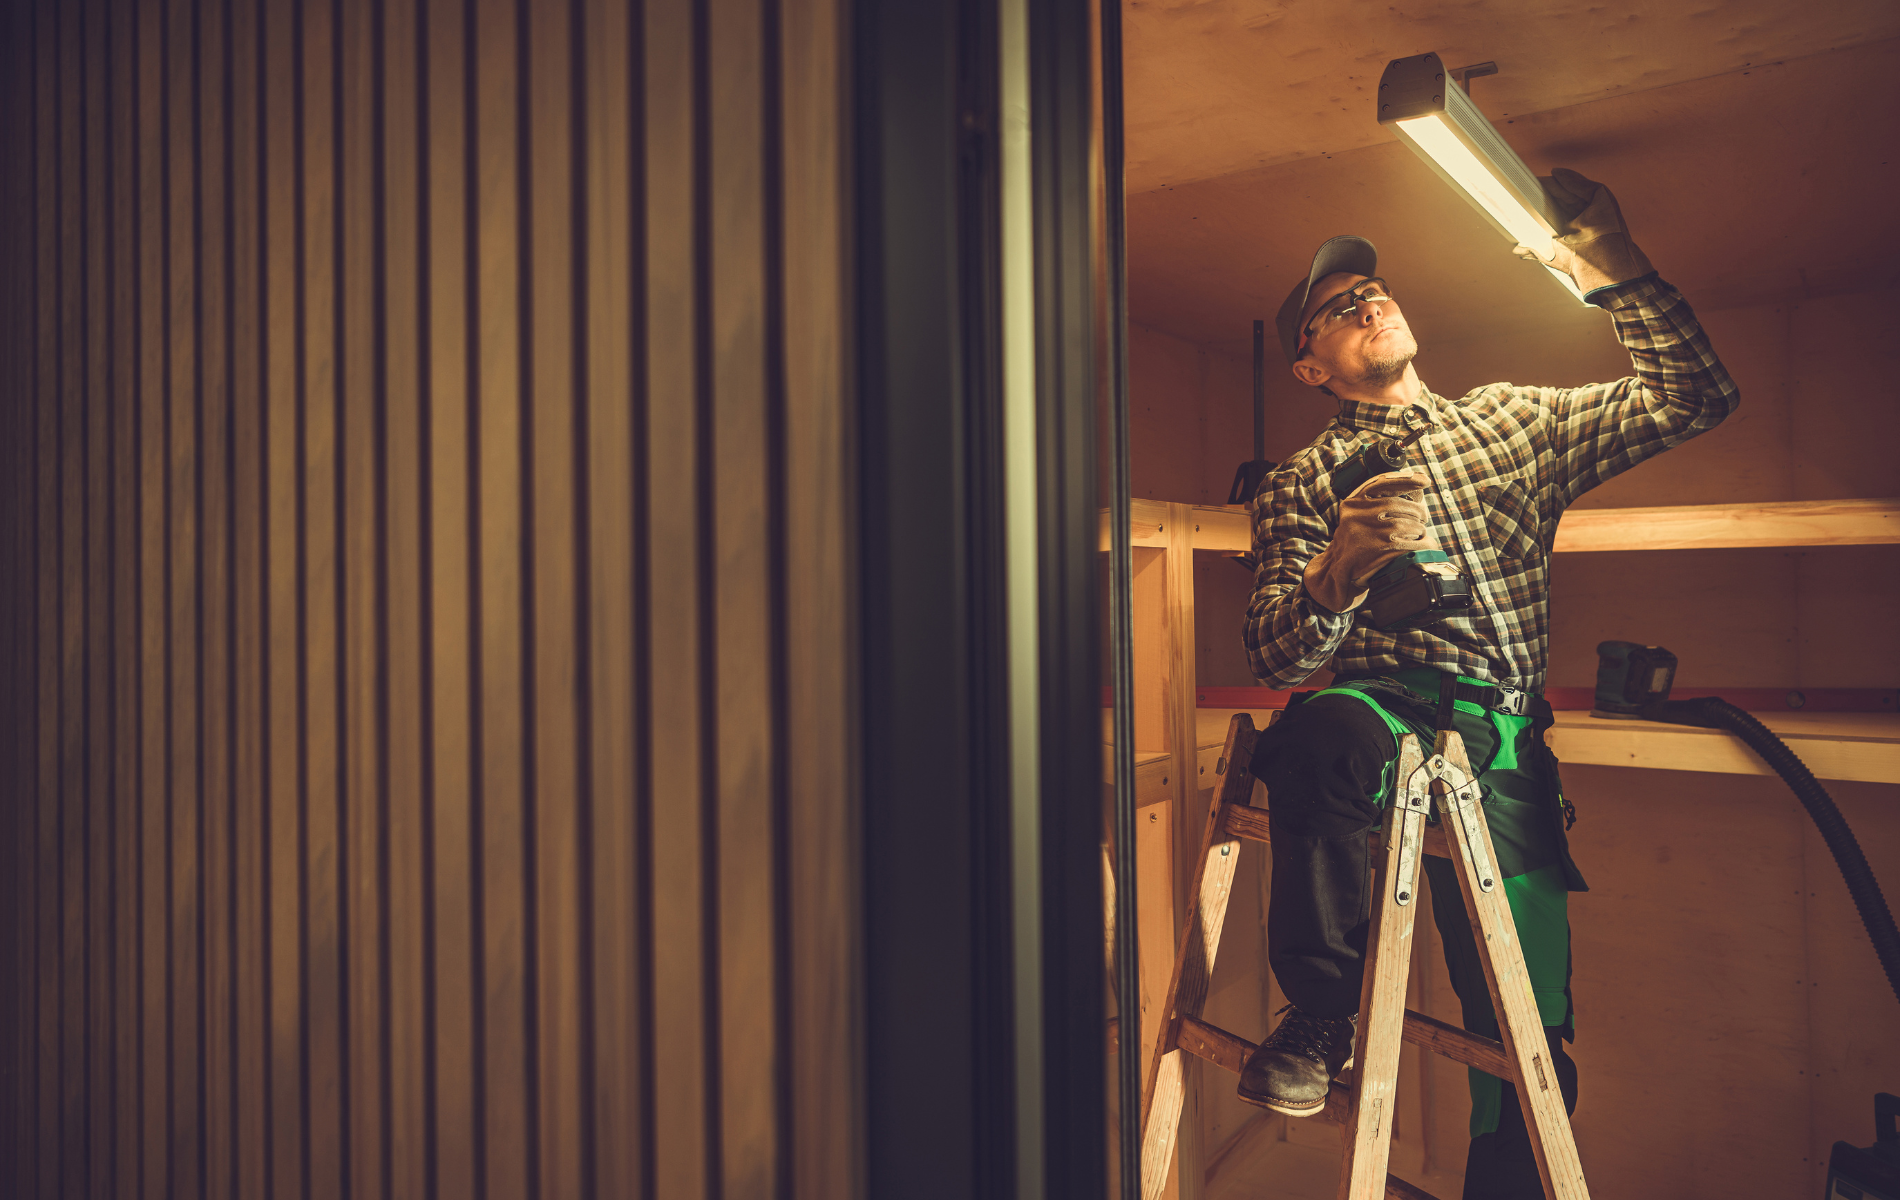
{"x": 1494, "y": 472}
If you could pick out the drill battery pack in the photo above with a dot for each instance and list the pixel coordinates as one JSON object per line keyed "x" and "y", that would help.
{"x": 1416, "y": 589}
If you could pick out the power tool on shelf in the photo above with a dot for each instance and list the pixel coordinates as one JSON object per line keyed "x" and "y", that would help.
{"x": 1630, "y": 677}
{"x": 1414, "y": 589}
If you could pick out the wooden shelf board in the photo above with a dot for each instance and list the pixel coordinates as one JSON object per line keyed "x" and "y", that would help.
{"x": 1687, "y": 527}
{"x": 1713, "y": 526}
{"x": 1855, "y": 746}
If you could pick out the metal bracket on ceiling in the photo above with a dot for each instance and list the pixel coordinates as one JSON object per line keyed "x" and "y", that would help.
{"x": 1464, "y": 75}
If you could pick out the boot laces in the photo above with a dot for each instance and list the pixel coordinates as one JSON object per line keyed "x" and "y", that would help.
{"x": 1304, "y": 1033}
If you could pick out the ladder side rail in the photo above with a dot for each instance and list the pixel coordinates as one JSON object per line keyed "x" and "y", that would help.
{"x": 1367, "y": 1146}
{"x": 1512, "y": 997}
{"x": 1195, "y": 952}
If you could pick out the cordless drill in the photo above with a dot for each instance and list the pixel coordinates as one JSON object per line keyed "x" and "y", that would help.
{"x": 1416, "y": 588}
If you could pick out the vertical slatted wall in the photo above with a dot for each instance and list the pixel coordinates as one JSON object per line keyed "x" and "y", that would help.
{"x": 425, "y": 579}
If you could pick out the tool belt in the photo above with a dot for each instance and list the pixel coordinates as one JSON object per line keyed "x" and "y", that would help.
{"x": 1515, "y": 702}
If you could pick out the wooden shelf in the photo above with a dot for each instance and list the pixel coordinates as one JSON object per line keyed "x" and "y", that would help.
{"x": 1713, "y": 526}
{"x": 1216, "y": 526}
{"x": 1689, "y": 527}
{"x": 1853, "y": 746}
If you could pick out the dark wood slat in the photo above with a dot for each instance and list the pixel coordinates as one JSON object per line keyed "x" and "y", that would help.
{"x": 360, "y": 347}
{"x": 212, "y": 622}
{"x": 613, "y": 472}
{"x": 745, "y": 788}
{"x": 510, "y": 1092}
{"x": 822, "y": 878}
{"x": 401, "y": 624}
{"x": 249, "y": 915}
{"x": 550, "y": 566}
{"x": 322, "y": 933}
{"x": 278, "y": 449}
{"x": 453, "y": 341}
{"x": 680, "y": 1130}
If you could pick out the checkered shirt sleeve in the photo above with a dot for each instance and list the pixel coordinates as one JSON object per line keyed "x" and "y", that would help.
{"x": 1505, "y": 462}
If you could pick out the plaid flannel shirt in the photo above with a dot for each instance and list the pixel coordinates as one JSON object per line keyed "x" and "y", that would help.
{"x": 1505, "y": 462}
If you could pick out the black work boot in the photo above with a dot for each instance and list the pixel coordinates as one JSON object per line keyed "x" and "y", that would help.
{"x": 1294, "y": 1067}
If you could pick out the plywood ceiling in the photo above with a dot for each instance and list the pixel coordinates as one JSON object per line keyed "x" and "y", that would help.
{"x": 1217, "y": 86}
{"x": 1252, "y": 139}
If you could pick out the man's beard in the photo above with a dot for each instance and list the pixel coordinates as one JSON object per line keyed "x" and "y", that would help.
{"x": 1383, "y": 369}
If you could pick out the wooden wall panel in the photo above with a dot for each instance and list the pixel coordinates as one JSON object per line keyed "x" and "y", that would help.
{"x": 425, "y": 529}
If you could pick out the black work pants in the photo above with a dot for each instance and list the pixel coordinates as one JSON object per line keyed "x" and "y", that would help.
{"x": 1325, "y": 767}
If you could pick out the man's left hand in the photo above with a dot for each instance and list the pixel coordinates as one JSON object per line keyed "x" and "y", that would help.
{"x": 1592, "y": 245}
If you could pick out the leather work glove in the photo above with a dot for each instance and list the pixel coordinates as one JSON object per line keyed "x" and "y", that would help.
{"x": 1382, "y": 519}
{"x": 1592, "y": 246}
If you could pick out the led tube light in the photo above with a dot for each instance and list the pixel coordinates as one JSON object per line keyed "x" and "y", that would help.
{"x": 1431, "y": 114}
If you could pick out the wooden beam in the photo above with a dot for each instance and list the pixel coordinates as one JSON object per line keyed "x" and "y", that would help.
{"x": 1146, "y": 524}
{"x": 1183, "y": 741}
{"x": 1708, "y": 526}
{"x": 1221, "y": 527}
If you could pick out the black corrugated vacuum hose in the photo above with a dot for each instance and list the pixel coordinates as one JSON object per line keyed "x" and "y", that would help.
{"x": 1711, "y": 712}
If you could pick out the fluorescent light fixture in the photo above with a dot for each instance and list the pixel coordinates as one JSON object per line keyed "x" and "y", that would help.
{"x": 1431, "y": 114}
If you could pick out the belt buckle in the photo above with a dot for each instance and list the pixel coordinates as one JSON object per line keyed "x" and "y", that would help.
{"x": 1512, "y": 702}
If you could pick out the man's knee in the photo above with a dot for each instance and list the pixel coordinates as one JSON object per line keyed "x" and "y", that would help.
{"x": 1324, "y": 765}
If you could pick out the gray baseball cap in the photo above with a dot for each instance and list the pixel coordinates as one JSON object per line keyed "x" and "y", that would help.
{"x": 1343, "y": 253}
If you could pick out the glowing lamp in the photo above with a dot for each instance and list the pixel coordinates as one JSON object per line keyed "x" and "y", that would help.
{"x": 1424, "y": 105}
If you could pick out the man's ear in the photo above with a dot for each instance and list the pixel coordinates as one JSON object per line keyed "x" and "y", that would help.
{"x": 1309, "y": 372}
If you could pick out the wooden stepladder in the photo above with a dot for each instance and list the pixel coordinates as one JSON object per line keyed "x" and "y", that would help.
{"x": 1443, "y": 782}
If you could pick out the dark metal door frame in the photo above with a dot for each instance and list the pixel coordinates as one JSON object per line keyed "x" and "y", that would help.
{"x": 941, "y": 1029}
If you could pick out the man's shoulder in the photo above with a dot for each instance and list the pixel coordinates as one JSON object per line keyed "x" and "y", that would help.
{"x": 1329, "y": 447}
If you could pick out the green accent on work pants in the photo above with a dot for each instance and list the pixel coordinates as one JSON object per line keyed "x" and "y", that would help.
{"x": 1522, "y": 807}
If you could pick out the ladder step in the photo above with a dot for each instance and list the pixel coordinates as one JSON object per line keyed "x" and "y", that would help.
{"x": 1246, "y": 821}
{"x": 1214, "y": 1044}
{"x": 1398, "y": 1189}
{"x": 1459, "y": 1045}
{"x": 1230, "y": 1050}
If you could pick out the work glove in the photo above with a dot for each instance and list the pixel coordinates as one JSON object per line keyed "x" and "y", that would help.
{"x": 1382, "y": 519}
{"x": 1591, "y": 246}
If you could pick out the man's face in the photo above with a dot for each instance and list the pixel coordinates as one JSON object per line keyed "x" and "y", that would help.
{"x": 1369, "y": 346}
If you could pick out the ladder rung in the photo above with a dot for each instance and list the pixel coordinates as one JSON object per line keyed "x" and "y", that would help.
{"x": 1398, "y": 1189}
{"x": 1230, "y": 1050}
{"x": 1459, "y": 1045}
{"x": 1246, "y": 821}
{"x": 1214, "y": 1044}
